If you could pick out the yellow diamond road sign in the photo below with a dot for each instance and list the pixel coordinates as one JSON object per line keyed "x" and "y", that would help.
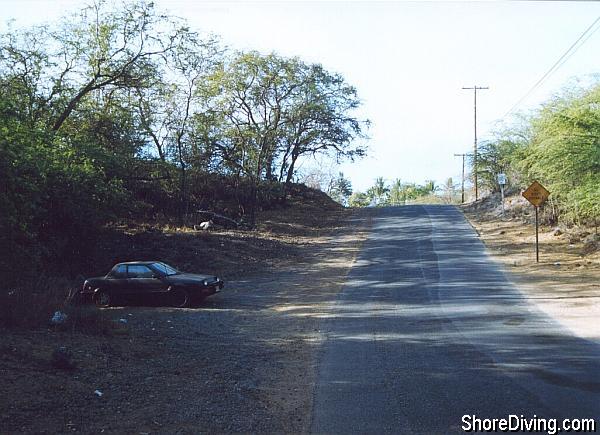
{"x": 536, "y": 194}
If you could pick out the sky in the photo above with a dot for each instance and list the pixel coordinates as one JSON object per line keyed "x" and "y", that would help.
{"x": 408, "y": 61}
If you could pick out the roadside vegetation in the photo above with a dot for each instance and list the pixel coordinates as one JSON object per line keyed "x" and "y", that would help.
{"x": 117, "y": 119}
{"x": 397, "y": 192}
{"x": 559, "y": 146}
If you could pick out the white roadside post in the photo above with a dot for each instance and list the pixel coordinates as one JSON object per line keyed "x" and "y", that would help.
{"x": 502, "y": 183}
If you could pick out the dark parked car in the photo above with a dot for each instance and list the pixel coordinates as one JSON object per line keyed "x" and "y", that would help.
{"x": 145, "y": 280}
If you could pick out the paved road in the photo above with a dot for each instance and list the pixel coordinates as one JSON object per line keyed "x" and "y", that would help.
{"x": 428, "y": 329}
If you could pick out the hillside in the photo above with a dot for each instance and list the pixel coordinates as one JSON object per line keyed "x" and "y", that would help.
{"x": 278, "y": 239}
{"x": 242, "y": 361}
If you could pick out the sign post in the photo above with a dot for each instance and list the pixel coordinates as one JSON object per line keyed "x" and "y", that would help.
{"x": 502, "y": 182}
{"x": 536, "y": 194}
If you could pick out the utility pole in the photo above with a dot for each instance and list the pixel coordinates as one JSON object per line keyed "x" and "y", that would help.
{"x": 475, "y": 89}
{"x": 463, "y": 175}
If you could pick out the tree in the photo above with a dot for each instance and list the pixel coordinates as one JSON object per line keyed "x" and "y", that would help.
{"x": 494, "y": 157}
{"x": 92, "y": 54}
{"x": 430, "y": 186}
{"x": 68, "y": 127}
{"x": 359, "y": 199}
{"x": 565, "y": 152}
{"x": 558, "y": 146}
{"x": 340, "y": 189}
{"x": 449, "y": 190}
{"x": 117, "y": 110}
{"x": 379, "y": 192}
{"x": 251, "y": 94}
{"x": 278, "y": 109}
{"x": 273, "y": 110}
{"x": 320, "y": 120}
{"x": 397, "y": 195}
{"x": 168, "y": 107}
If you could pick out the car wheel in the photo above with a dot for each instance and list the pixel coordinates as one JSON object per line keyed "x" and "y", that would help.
{"x": 179, "y": 298}
{"x": 103, "y": 299}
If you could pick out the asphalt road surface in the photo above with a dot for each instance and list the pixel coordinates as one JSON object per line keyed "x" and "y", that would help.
{"x": 428, "y": 329}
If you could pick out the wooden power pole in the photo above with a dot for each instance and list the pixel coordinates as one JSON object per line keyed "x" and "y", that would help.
{"x": 475, "y": 89}
{"x": 462, "y": 188}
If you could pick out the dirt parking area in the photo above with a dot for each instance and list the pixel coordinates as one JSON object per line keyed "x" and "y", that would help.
{"x": 565, "y": 284}
{"x": 244, "y": 361}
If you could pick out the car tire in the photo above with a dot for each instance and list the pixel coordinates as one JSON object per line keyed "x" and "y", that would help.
{"x": 103, "y": 299}
{"x": 179, "y": 298}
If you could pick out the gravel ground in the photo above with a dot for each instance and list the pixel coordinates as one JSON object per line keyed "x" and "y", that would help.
{"x": 242, "y": 362}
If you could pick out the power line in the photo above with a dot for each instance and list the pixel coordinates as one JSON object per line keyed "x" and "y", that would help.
{"x": 566, "y": 56}
{"x": 579, "y": 46}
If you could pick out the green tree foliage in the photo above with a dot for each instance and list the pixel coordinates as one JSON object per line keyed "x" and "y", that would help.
{"x": 359, "y": 199}
{"x": 273, "y": 110}
{"x": 278, "y": 109}
{"x": 68, "y": 136}
{"x": 398, "y": 193}
{"x": 565, "y": 153}
{"x": 114, "y": 110}
{"x": 495, "y": 157}
{"x": 340, "y": 189}
{"x": 378, "y": 193}
{"x": 430, "y": 186}
{"x": 559, "y": 147}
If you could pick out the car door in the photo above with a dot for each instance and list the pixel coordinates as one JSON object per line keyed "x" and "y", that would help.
{"x": 116, "y": 280}
{"x": 142, "y": 280}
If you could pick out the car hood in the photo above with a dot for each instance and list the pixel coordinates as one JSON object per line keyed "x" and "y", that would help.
{"x": 189, "y": 278}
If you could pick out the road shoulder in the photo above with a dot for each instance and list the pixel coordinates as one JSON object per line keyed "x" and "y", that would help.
{"x": 565, "y": 284}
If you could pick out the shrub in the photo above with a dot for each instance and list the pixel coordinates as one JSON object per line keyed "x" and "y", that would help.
{"x": 33, "y": 305}
{"x": 558, "y": 147}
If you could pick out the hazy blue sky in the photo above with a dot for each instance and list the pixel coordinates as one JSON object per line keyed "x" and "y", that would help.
{"x": 408, "y": 61}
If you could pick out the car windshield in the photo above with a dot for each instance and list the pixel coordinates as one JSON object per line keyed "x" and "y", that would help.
{"x": 164, "y": 269}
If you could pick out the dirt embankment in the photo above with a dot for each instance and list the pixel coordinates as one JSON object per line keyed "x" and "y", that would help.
{"x": 565, "y": 284}
{"x": 242, "y": 362}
